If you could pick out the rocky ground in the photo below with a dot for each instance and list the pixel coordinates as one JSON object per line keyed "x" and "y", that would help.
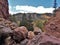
{"x": 11, "y": 34}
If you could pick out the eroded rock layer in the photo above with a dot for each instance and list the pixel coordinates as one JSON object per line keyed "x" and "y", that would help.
{"x": 52, "y": 27}
{"x": 4, "y": 9}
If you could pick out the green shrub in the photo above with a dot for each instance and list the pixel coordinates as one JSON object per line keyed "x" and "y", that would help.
{"x": 27, "y": 24}
{"x": 39, "y": 23}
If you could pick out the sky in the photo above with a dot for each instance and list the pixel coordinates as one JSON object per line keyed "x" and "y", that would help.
{"x": 31, "y": 6}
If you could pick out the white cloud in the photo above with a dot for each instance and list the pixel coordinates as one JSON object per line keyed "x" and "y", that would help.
{"x": 31, "y": 9}
{"x": 10, "y": 7}
{"x": 11, "y": 11}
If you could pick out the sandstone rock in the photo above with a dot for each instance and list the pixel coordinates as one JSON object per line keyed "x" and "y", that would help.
{"x": 24, "y": 42}
{"x": 4, "y": 11}
{"x": 52, "y": 27}
{"x": 7, "y": 41}
{"x": 2, "y": 19}
{"x": 7, "y": 22}
{"x": 31, "y": 35}
{"x": 20, "y": 33}
{"x": 13, "y": 26}
{"x": 35, "y": 41}
{"x": 5, "y": 32}
{"x": 37, "y": 30}
{"x": 22, "y": 29}
{"x": 44, "y": 39}
{"x": 48, "y": 43}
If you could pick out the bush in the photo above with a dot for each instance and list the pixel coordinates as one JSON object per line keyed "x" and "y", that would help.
{"x": 39, "y": 23}
{"x": 27, "y": 24}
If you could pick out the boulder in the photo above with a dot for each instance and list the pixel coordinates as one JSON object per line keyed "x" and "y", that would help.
{"x": 20, "y": 33}
{"x": 37, "y": 30}
{"x": 5, "y": 32}
{"x": 31, "y": 35}
{"x": 44, "y": 39}
{"x": 13, "y": 25}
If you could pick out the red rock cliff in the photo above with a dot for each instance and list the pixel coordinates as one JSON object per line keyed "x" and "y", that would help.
{"x": 52, "y": 27}
{"x": 4, "y": 11}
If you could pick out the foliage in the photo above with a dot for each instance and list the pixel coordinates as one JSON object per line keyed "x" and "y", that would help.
{"x": 14, "y": 19}
{"x": 28, "y": 24}
{"x": 39, "y": 23}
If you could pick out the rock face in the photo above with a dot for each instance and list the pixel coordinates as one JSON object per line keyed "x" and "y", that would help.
{"x": 44, "y": 39}
{"x": 52, "y": 27}
{"x": 5, "y": 31}
{"x": 4, "y": 9}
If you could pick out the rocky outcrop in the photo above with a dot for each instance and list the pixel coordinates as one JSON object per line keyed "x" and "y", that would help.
{"x": 52, "y": 27}
{"x": 11, "y": 34}
{"x": 6, "y": 31}
{"x": 4, "y": 11}
{"x": 51, "y": 36}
